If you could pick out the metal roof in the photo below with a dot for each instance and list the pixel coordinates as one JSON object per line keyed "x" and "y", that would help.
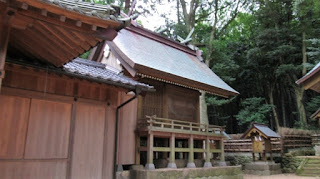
{"x": 265, "y": 130}
{"x": 162, "y": 57}
{"x": 102, "y": 72}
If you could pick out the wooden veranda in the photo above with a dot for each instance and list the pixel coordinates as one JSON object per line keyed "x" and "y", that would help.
{"x": 153, "y": 127}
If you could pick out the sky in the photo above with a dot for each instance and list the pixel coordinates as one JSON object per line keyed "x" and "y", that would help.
{"x": 154, "y": 20}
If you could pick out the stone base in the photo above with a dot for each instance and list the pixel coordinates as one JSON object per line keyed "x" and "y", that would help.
{"x": 149, "y": 166}
{"x": 191, "y": 165}
{"x": 317, "y": 150}
{"x": 231, "y": 172}
{"x": 172, "y": 165}
{"x": 207, "y": 165}
{"x": 262, "y": 168}
{"x": 119, "y": 168}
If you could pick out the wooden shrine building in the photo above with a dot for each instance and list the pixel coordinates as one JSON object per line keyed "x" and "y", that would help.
{"x": 260, "y": 136}
{"x": 168, "y": 132}
{"x": 58, "y": 115}
{"x": 312, "y": 81}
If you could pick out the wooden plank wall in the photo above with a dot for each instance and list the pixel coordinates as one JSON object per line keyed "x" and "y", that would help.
{"x": 49, "y": 135}
{"x": 127, "y": 127}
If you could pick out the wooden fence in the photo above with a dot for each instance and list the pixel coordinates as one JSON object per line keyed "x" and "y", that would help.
{"x": 284, "y": 144}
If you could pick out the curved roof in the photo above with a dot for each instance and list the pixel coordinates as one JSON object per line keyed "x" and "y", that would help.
{"x": 159, "y": 58}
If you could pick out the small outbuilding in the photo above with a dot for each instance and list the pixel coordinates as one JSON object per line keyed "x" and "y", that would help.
{"x": 261, "y": 136}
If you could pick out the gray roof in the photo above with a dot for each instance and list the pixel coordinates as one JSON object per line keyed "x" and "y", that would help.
{"x": 103, "y": 73}
{"x": 105, "y": 12}
{"x": 266, "y": 130}
{"x": 165, "y": 58}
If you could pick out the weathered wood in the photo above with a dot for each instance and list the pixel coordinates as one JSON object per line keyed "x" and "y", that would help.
{"x": 5, "y": 16}
{"x": 88, "y": 142}
{"x": 191, "y": 149}
{"x": 54, "y": 169}
{"x": 150, "y": 149}
{"x": 48, "y": 119}
{"x": 14, "y": 113}
{"x": 172, "y": 148}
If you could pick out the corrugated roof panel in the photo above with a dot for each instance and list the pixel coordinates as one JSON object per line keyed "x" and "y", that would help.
{"x": 153, "y": 54}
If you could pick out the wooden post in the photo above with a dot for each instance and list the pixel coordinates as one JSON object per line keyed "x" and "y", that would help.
{"x": 207, "y": 163}
{"x": 150, "y": 165}
{"x": 191, "y": 163}
{"x": 5, "y": 16}
{"x": 222, "y": 158}
{"x": 172, "y": 163}
{"x": 137, "y": 149}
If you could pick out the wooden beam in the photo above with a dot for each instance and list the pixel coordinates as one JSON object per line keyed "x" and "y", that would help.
{"x": 5, "y": 16}
{"x": 106, "y": 34}
{"x": 65, "y": 38}
{"x": 74, "y": 39}
{"x": 62, "y": 40}
{"x": 89, "y": 39}
{"x": 27, "y": 45}
{"x": 61, "y": 21}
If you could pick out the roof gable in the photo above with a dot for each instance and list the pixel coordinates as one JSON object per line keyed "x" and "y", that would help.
{"x": 167, "y": 61}
{"x": 262, "y": 130}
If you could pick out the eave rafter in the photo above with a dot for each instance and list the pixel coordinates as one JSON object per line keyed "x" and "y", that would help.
{"x": 51, "y": 32}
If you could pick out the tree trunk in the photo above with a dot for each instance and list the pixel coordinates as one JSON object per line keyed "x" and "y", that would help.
{"x": 203, "y": 109}
{"x": 304, "y": 54}
{"x": 283, "y": 108}
{"x": 274, "y": 112}
{"x": 299, "y": 92}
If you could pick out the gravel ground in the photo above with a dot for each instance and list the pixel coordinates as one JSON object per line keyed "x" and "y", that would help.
{"x": 281, "y": 176}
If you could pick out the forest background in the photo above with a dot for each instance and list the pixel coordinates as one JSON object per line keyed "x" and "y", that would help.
{"x": 259, "y": 47}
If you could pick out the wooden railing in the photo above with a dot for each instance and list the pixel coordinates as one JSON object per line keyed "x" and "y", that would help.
{"x": 163, "y": 124}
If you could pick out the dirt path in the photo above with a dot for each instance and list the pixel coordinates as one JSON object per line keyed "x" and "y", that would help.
{"x": 281, "y": 176}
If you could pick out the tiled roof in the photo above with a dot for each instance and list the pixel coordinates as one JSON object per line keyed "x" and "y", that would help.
{"x": 153, "y": 54}
{"x": 103, "y": 73}
{"x": 90, "y": 9}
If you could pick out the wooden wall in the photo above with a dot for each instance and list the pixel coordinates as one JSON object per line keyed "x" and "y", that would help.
{"x": 44, "y": 134}
{"x": 170, "y": 101}
{"x": 127, "y": 128}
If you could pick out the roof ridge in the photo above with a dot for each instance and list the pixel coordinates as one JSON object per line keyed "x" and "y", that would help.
{"x": 89, "y": 62}
{"x": 162, "y": 39}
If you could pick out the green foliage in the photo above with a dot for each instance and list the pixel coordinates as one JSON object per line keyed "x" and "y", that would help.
{"x": 85, "y": 55}
{"x": 238, "y": 160}
{"x": 313, "y": 105}
{"x": 254, "y": 110}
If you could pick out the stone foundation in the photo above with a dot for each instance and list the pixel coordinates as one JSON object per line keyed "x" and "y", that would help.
{"x": 232, "y": 172}
{"x": 262, "y": 168}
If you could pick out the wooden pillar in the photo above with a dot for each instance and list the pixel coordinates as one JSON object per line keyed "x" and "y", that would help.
{"x": 207, "y": 163}
{"x": 137, "y": 149}
{"x": 150, "y": 165}
{"x": 172, "y": 163}
{"x": 191, "y": 163}
{"x": 222, "y": 158}
{"x": 5, "y": 16}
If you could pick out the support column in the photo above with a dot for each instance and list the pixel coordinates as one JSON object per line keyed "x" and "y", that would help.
{"x": 150, "y": 165}
{"x": 172, "y": 163}
{"x": 137, "y": 149}
{"x": 5, "y": 27}
{"x": 222, "y": 158}
{"x": 191, "y": 163}
{"x": 207, "y": 163}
